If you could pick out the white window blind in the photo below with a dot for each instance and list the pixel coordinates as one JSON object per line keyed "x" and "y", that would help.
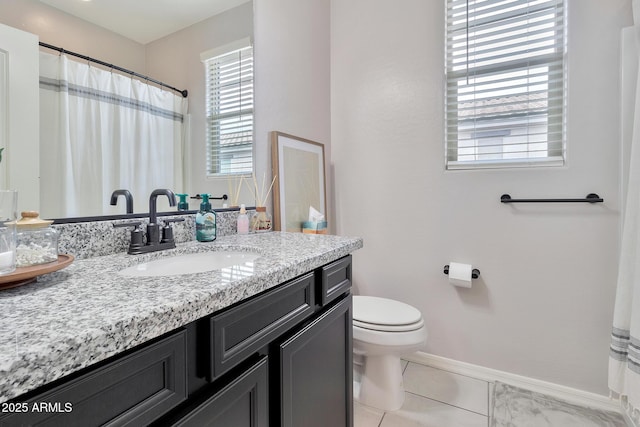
{"x": 229, "y": 98}
{"x": 505, "y": 90}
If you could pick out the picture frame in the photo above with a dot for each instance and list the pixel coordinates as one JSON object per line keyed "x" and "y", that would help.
{"x": 299, "y": 167}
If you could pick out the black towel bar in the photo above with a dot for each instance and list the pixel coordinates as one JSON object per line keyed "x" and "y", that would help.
{"x": 591, "y": 198}
{"x": 199, "y": 197}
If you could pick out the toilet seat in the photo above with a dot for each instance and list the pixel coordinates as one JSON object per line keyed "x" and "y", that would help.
{"x": 388, "y": 328}
{"x": 386, "y": 315}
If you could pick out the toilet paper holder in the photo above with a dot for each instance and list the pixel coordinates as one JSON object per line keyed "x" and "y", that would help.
{"x": 475, "y": 273}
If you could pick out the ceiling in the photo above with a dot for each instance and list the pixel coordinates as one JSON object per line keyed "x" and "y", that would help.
{"x": 143, "y": 20}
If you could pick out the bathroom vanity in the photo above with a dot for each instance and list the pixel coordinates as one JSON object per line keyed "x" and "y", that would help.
{"x": 265, "y": 343}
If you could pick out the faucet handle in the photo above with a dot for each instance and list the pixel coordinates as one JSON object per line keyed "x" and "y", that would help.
{"x": 135, "y": 224}
{"x": 167, "y": 230}
{"x": 167, "y": 222}
{"x": 136, "y": 234}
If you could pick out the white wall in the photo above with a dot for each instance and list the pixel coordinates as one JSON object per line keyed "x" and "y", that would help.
{"x": 18, "y": 136}
{"x": 543, "y": 305}
{"x": 60, "y": 29}
{"x": 292, "y": 75}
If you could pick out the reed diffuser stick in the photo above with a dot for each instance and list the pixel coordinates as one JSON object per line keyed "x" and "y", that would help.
{"x": 234, "y": 189}
{"x": 261, "y": 197}
{"x": 239, "y": 188}
{"x": 270, "y": 187}
{"x": 255, "y": 189}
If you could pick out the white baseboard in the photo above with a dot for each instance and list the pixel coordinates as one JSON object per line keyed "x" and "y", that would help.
{"x": 573, "y": 395}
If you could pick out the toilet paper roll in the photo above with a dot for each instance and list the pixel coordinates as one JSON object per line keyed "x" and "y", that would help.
{"x": 460, "y": 274}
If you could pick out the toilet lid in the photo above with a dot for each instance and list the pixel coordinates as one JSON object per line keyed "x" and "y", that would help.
{"x": 385, "y": 312}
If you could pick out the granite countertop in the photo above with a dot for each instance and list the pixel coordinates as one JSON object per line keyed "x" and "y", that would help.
{"x": 86, "y": 312}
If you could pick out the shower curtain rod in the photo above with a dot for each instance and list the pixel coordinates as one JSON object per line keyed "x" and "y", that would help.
{"x": 184, "y": 93}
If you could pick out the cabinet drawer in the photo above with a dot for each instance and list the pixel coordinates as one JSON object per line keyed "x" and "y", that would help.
{"x": 131, "y": 391}
{"x": 240, "y": 331}
{"x": 336, "y": 280}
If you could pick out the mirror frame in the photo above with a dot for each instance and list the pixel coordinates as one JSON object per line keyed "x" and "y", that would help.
{"x": 73, "y": 220}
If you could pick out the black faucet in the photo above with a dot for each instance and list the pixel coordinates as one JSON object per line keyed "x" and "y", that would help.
{"x": 127, "y": 196}
{"x": 155, "y": 242}
{"x": 153, "y": 229}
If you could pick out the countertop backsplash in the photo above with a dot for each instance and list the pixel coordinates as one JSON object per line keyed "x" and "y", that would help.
{"x": 98, "y": 238}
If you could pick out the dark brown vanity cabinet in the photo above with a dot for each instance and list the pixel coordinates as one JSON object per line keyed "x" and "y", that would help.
{"x": 280, "y": 358}
{"x": 301, "y": 332}
{"x": 315, "y": 374}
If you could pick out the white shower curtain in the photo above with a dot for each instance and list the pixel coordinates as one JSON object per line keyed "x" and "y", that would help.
{"x": 624, "y": 353}
{"x": 101, "y": 131}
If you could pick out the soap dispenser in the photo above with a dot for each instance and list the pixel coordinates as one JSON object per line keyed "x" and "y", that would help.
{"x": 183, "y": 205}
{"x": 205, "y": 221}
{"x": 243, "y": 221}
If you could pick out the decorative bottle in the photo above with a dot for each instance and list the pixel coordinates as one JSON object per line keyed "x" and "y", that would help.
{"x": 261, "y": 220}
{"x": 243, "y": 221}
{"x": 205, "y": 221}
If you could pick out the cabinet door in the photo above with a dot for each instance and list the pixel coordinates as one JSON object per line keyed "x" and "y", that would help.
{"x": 242, "y": 403}
{"x": 316, "y": 372}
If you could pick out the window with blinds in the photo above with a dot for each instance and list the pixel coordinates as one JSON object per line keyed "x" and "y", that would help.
{"x": 229, "y": 98}
{"x": 505, "y": 86}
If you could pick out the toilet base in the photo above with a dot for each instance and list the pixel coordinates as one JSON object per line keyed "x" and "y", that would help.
{"x": 381, "y": 385}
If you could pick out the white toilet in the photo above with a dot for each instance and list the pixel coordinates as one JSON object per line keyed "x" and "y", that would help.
{"x": 384, "y": 330}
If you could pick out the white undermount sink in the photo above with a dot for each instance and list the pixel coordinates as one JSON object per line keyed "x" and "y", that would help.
{"x": 189, "y": 263}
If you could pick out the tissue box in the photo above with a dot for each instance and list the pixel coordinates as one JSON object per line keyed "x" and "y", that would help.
{"x": 313, "y": 227}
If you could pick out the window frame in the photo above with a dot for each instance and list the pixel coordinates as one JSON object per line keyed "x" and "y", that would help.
{"x": 557, "y": 66}
{"x": 214, "y": 151}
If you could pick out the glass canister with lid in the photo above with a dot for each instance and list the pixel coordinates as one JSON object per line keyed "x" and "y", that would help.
{"x": 37, "y": 242}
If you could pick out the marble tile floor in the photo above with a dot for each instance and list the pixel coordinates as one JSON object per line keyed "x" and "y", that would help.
{"x": 437, "y": 398}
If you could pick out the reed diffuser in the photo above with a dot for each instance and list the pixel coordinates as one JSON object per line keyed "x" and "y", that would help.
{"x": 235, "y": 186}
{"x": 261, "y": 219}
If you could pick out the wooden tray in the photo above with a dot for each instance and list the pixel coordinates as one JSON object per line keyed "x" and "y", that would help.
{"x": 23, "y": 275}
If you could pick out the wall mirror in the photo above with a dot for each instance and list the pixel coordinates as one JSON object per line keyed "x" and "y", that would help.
{"x": 173, "y": 59}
